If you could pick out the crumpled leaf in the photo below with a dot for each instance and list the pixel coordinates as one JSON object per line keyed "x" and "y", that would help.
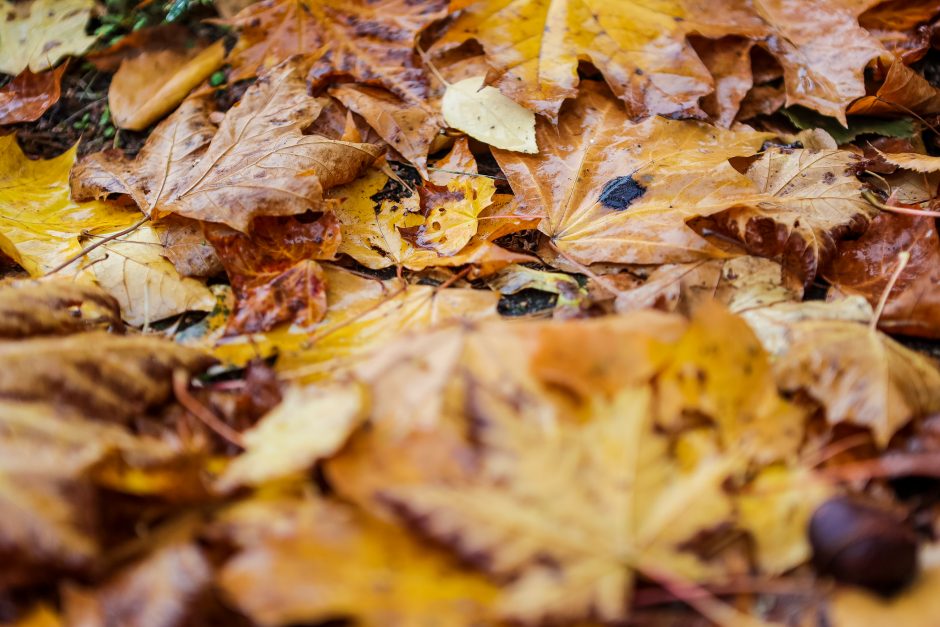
{"x": 864, "y": 267}
{"x": 729, "y": 61}
{"x": 408, "y": 127}
{"x": 485, "y": 114}
{"x": 147, "y": 87}
{"x": 859, "y": 375}
{"x": 37, "y": 34}
{"x": 185, "y": 245}
{"x": 258, "y": 163}
{"x": 811, "y": 201}
{"x": 39, "y": 223}
{"x": 620, "y": 192}
{"x": 28, "y": 96}
{"x": 273, "y": 273}
{"x": 310, "y": 424}
{"x": 54, "y": 307}
{"x": 368, "y": 570}
{"x": 132, "y": 268}
{"x": 902, "y": 92}
{"x": 370, "y": 41}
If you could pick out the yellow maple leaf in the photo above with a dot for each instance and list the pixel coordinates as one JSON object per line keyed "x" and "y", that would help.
{"x": 38, "y": 34}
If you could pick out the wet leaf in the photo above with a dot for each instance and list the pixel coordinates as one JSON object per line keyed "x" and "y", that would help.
{"x": 28, "y": 96}
{"x": 485, "y": 114}
{"x": 804, "y": 118}
{"x": 902, "y": 92}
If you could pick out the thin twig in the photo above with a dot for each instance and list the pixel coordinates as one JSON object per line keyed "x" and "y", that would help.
{"x": 903, "y": 258}
{"x": 102, "y": 242}
{"x": 200, "y": 411}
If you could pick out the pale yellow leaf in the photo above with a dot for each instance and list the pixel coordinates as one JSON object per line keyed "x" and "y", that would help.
{"x": 485, "y": 114}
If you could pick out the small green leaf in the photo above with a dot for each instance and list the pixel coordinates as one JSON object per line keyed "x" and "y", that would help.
{"x": 218, "y": 78}
{"x": 804, "y": 118}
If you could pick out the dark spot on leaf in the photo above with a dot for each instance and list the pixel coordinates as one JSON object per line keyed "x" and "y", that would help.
{"x": 619, "y": 193}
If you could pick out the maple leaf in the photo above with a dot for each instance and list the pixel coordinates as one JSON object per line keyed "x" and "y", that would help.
{"x": 28, "y": 96}
{"x": 866, "y": 265}
{"x": 377, "y": 573}
{"x": 640, "y": 48}
{"x": 373, "y": 42}
{"x": 620, "y": 192}
{"x": 859, "y": 375}
{"x": 272, "y": 271}
{"x": 37, "y": 34}
{"x": 147, "y": 87}
{"x": 258, "y": 162}
{"x": 902, "y": 91}
{"x": 811, "y": 201}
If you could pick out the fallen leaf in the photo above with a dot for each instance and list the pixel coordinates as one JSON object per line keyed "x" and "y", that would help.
{"x": 310, "y": 424}
{"x": 370, "y": 41}
{"x": 377, "y": 574}
{"x": 40, "y": 224}
{"x": 866, "y": 265}
{"x": 133, "y": 270}
{"x": 257, "y": 164}
{"x": 409, "y": 128}
{"x": 273, "y": 273}
{"x": 729, "y": 62}
{"x": 772, "y": 324}
{"x": 859, "y": 375}
{"x": 185, "y": 245}
{"x": 150, "y": 85}
{"x": 899, "y": 14}
{"x": 804, "y": 118}
{"x": 912, "y": 161}
{"x": 28, "y": 96}
{"x": 811, "y": 201}
{"x": 632, "y": 208}
{"x": 903, "y": 91}
{"x": 37, "y": 34}
{"x": 485, "y": 114}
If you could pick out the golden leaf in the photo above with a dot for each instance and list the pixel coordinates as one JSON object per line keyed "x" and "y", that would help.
{"x": 37, "y": 34}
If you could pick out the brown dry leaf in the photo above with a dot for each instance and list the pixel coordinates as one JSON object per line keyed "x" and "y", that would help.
{"x": 408, "y": 127}
{"x": 912, "y": 161}
{"x": 620, "y": 192}
{"x": 903, "y": 91}
{"x": 325, "y": 561}
{"x": 864, "y": 266}
{"x": 811, "y": 200}
{"x": 28, "y": 96}
{"x": 37, "y": 34}
{"x": 258, "y": 163}
{"x": 899, "y": 14}
{"x": 310, "y": 424}
{"x": 272, "y": 271}
{"x": 161, "y": 590}
{"x": 150, "y": 85}
{"x": 373, "y": 42}
{"x": 859, "y": 375}
{"x": 185, "y": 245}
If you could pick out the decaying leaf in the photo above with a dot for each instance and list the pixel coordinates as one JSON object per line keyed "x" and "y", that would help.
{"x": 632, "y": 208}
{"x": 150, "y": 85}
{"x": 273, "y": 271}
{"x": 811, "y": 199}
{"x": 483, "y": 113}
{"x": 370, "y": 41}
{"x": 903, "y": 91}
{"x": 38, "y": 33}
{"x": 258, "y": 163}
{"x": 187, "y": 248}
{"x": 864, "y": 267}
{"x": 28, "y": 96}
{"x": 859, "y": 375}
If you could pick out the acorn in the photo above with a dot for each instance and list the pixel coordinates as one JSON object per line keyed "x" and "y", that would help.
{"x": 859, "y": 543}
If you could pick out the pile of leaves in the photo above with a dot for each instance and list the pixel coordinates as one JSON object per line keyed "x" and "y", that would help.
{"x": 398, "y": 312}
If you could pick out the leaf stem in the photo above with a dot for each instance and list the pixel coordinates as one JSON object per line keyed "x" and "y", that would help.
{"x": 102, "y": 242}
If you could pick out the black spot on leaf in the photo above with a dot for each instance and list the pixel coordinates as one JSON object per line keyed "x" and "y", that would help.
{"x": 619, "y": 193}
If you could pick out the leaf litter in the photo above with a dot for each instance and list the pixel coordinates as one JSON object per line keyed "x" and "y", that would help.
{"x": 479, "y": 313}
